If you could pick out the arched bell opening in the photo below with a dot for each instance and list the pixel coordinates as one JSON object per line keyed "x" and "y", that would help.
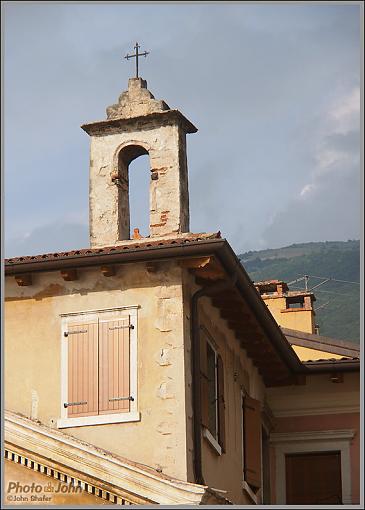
{"x": 133, "y": 179}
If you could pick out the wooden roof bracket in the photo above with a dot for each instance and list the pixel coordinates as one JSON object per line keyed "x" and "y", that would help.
{"x": 23, "y": 280}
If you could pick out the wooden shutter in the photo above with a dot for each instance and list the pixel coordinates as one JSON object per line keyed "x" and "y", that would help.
{"x": 221, "y": 405}
{"x": 82, "y": 397}
{"x": 252, "y": 441}
{"x": 114, "y": 361}
{"x": 204, "y": 390}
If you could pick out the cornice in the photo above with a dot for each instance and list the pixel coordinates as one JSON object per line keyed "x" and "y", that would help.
{"x": 317, "y": 435}
{"x": 140, "y": 122}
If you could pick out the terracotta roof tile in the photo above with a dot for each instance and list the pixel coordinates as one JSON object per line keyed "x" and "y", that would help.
{"x": 330, "y": 360}
{"x": 128, "y": 245}
{"x": 269, "y": 282}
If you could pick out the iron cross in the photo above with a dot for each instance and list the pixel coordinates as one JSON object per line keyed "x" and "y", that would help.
{"x": 136, "y": 55}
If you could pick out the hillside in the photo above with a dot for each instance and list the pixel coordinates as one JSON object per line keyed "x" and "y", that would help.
{"x": 338, "y": 303}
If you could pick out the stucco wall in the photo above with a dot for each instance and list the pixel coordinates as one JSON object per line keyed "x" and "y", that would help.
{"x": 224, "y": 472}
{"x": 32, "y": 357}
{"x": 318, "y": 396}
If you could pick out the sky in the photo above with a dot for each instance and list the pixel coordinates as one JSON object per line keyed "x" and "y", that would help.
{"x": 274, "y": 90}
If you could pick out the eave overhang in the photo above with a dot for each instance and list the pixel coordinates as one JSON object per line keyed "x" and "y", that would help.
{"x": 322, "y": 343}
{"x": 166, "y": 117}
{"x": 333, "y": 365}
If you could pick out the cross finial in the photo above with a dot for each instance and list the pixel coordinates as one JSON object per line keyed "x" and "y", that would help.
{"x": 136, "y": 55}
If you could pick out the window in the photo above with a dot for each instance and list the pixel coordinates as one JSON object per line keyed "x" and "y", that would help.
{"x": 294, "y": 304}
{"x": 212, "y": 394}
{"x": 99, "y": 369}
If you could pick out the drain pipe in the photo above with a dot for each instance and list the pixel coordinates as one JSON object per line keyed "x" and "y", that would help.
{"x": 195, "y": 362}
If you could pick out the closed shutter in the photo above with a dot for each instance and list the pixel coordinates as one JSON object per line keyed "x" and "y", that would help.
{"x": 252, "y": 441}
{"x": 221, "y": 405}
{"x": 82, "y": 370}
{"x": 204, "y": 390}
{"x": 114, "y": 386}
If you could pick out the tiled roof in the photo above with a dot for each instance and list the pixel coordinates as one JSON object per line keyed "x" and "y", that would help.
{"x": 330, "y": 360}
{"x": 119, "y": 248}
{"x": 289, "y": 293}
{"x": 269, "y": 282}
{"x": 321, "y": 343}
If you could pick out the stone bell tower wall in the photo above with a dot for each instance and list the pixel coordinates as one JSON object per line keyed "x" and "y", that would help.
{"x": 115, "y": 143}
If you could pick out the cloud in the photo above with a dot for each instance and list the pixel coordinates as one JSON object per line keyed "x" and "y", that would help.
{"x": 339, "y": 143}
{"x": 328, "y": 206}
{"x": 346, "y": 111}
{"x": 307, "y": 189}
{"x": 338, "y": 146}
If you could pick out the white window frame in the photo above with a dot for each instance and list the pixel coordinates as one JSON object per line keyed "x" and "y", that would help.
{"x": 212, "y": 441}
{"x": 100, "y": 315}
{"x": 308, "y": 442}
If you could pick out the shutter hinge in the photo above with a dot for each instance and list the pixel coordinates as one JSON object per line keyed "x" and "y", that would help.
{"x": 130, "y": 326}
{"x": 78, "y": 331}
{"x": 114, "y": 399}
{"x": 69, "y": 404}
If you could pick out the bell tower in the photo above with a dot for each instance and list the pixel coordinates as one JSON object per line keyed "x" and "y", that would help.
{"x": 138, "y": 124}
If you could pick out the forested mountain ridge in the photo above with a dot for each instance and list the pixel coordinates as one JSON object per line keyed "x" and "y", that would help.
{"x": 337, "y": 302}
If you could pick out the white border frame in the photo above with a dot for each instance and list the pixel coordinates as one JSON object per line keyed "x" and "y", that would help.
{"x": 307, "y": 442}
{"x": 212, "y": 441}
{"x": 108, "y": 314}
